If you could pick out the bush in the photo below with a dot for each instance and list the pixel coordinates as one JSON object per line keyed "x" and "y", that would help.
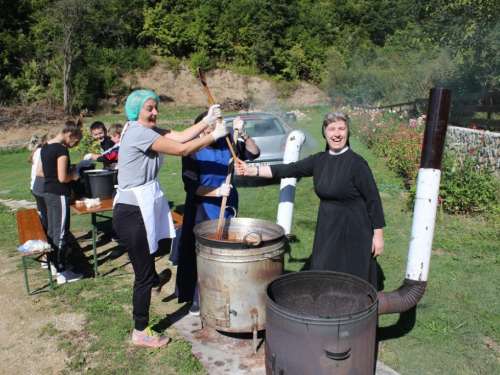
{"x": 87, "y": 144}
{"x": 465, "y": 187}
{"x": 286, "y": 89}
{"x": 199, "y": 60}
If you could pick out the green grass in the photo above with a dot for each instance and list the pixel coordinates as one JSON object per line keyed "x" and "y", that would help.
{"x": 455, "y": 329}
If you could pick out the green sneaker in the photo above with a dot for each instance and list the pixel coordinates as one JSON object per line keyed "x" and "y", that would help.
{"x": 165, "y": 277}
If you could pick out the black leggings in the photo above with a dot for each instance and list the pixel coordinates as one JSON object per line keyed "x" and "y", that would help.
{"x": 129, "y": 226}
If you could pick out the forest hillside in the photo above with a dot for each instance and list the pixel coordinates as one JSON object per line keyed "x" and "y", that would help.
{"x": 79, "y": 53}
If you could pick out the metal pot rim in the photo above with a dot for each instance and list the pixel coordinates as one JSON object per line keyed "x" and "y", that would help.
{"x": 316, "y": 319}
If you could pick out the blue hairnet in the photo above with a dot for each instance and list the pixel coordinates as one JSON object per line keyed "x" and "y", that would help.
{"x": 135, "y": 101}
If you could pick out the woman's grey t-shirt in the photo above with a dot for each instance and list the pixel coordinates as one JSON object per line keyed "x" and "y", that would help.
{"x": 137, "y": 163}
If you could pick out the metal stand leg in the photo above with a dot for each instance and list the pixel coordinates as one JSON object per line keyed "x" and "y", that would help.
{"x": 254, "y": 341}
{"x": 25, "y": 275}
{"x": 51, "y": 282}
{"x": 94, "y": 244}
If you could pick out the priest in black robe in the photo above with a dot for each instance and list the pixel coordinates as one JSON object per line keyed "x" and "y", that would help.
{"x": 349, "y": 230}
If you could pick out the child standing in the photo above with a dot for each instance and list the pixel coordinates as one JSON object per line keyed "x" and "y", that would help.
{"x": 99, "y": 132}
{"x": 110, "y": 156}
{"x": 54, "y": 166}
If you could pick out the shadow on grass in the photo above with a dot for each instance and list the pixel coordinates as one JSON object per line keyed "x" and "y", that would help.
{"x": 403, "y": 326}
{"x": 406, "y": 320}
{"x": 291, "y": 240}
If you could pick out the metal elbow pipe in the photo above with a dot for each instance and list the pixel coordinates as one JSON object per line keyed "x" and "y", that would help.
{"x": 401, "y": 299}
{"x": 424, "y": 213}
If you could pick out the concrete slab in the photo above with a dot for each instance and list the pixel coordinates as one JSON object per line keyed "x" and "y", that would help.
{"x": 219, "y": 352}
{"x": 16, "y": 205}
{"x": 223, "y": 353}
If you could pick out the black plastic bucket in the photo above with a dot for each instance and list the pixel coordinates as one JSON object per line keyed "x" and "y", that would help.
{"x": 100, "y": 183}
{"x": 320, "y": 322}
{"x": 79, "y": 187}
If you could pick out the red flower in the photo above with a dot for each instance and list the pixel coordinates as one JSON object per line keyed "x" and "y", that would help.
{"x": 472, "y": 149}
{"x": 410, "y": 182}
{"x": 481, "y": 138}
{"x": 474, "y": 127}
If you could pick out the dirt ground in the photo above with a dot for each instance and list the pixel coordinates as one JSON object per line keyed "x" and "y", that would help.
{"x": 19, "y": 124}
{"x": 23, "y": 350}
{"x": 32, "y": 329}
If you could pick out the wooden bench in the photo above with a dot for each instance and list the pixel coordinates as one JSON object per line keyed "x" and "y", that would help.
{"x": 29, "y": 227}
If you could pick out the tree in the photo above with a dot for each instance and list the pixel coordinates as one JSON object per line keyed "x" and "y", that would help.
{"x": 14, "y": 47}
{"x": 67, "y": 27}
{"x": 470, "y": 28}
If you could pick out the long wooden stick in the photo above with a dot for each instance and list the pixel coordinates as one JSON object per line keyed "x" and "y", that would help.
{"x": 204, "y": 82}
{"x": 220, "y": 224}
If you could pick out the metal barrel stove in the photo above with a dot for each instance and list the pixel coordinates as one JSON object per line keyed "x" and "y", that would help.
{"x": 233, "y": 272}
{"x": 320, "y": 322}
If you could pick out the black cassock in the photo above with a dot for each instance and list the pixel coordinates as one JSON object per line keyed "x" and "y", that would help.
{"x": 349, "y": 211}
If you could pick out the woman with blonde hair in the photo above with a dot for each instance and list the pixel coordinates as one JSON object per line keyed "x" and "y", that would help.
{"x": 55, "y": 168}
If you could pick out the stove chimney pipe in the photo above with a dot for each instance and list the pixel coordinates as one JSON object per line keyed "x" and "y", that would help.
{"x": 424, "y": 213}
{"x": 294, "y": 143}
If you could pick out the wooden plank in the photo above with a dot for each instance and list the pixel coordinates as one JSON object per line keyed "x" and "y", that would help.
{"x": 29, "y": 226}
{"x": 385, "y": 106}
{"x": 107, "y": 205}
{"x": 475, "y": 108}
{"x": 474, "y": 121}
{"x": 477, "y": 96}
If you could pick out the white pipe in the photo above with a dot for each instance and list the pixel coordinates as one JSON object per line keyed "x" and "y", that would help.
{"x": 422, "y": 229}
{"x": 294, "y": 143}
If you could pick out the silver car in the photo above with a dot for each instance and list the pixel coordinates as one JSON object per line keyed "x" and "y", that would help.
{"x": 269, "y": 133}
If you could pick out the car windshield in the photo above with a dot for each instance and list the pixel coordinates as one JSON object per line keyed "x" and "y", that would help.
{"x": 260, "y": 127}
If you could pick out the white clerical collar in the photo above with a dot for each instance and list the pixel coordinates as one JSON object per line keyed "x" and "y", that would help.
{"x": 340, "y": 152}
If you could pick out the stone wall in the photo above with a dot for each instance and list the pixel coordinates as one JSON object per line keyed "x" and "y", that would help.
{"x": 483, "y": 144}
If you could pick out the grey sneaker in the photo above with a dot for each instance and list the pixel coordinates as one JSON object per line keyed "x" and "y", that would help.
{"x": 68, "y": 277}
{"x": 194, "y": 309}
{"x": 53, "y": 268}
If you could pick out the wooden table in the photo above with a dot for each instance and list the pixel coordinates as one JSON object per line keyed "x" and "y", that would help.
{"x": 106, "y": 205}
{"x": 81, "y": 209}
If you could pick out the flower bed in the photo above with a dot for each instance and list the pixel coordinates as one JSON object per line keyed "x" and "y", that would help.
{"x": 467, "y": 186}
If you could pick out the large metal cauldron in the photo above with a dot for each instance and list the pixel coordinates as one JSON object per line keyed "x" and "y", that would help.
{"x": 233, "y": 272}
{"x": 320, "y": 322}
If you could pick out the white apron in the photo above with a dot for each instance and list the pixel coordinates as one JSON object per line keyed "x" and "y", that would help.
{"x": 155, "y": 212}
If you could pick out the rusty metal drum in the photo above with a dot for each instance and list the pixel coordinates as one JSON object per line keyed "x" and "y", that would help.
{"x": 233, "y": 271}
{"x": 320, "y": 322}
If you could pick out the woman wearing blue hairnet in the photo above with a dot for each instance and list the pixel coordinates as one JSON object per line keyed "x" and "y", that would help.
{"x": 141, "y": 214}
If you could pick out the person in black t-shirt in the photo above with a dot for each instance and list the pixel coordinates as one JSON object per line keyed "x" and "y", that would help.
{"x": 54, "y": 166}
